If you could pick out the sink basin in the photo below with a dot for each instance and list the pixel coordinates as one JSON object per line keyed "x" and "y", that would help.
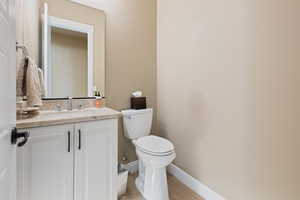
{"x": 69, "y": 113}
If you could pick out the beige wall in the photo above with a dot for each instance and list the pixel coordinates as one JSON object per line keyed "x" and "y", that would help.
{"x": 277, "y": 141}
{"x": 228, "y": 94}
{"x": 68, "y": 65}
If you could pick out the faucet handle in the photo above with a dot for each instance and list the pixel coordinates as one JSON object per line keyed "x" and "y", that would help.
{"x": 58, "y": 107}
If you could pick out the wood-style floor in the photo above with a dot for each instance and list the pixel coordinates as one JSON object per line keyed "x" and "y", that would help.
{"x": 177, "y": 190}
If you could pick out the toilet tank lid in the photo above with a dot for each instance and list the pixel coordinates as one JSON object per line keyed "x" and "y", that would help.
{"x": 131, "y": 112}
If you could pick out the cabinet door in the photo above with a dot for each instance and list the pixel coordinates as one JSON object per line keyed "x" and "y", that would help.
{"x": 45, "y": 164}
{"x": 96, "y": 160}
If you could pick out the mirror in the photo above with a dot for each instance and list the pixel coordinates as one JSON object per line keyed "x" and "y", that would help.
{"x": 68, "y": 47}
{"x": 68, "y": 65}
{"x": 68, "y": 58}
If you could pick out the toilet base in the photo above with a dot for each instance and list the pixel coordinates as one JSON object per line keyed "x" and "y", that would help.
{"x": 153, "y": 184}
{"x": 139, "y": 186}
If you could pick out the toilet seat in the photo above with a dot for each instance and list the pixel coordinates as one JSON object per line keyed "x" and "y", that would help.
{"x": 154, "y": 145}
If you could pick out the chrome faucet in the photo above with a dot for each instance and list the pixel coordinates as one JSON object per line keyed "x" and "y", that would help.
{"x": 58, "y": 108}
{"x": 69, "y": 104}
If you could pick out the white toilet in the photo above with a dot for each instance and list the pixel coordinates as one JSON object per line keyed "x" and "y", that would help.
{"x": 154, "y": 154}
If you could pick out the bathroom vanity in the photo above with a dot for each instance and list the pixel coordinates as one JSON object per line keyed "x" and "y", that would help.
{"x": 69, "y": 155}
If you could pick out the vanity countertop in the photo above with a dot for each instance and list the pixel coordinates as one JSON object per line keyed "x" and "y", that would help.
{"x": 49, "y": 118}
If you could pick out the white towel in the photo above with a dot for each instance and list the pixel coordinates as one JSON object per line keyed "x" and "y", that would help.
{"x": 41, "y": 77}
{"x": 21, "y": 78}
{"x": 29, "y": 82}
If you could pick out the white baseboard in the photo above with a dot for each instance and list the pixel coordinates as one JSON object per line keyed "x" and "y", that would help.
{"x": 194, "y": 184}
{"x": 132, "y": 167}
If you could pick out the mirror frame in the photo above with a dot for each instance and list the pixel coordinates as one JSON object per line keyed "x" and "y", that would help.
{"x": 72, "y": 26}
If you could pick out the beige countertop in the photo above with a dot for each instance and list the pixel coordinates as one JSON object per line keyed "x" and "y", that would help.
{"x": 50, "y": 118}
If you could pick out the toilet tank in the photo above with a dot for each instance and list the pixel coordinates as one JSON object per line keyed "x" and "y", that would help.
{"x": 137, "y": 123}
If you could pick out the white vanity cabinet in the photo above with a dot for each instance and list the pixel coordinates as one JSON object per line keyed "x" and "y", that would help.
{"x": 69, "y": 162}
{"x": 45, "y": 167}
{"x": 96, "y": 160}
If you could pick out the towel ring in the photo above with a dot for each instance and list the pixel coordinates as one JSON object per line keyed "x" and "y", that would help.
{"x": 23, "y": 47}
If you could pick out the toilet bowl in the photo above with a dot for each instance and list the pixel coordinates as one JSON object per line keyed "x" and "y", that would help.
{"x": 154, "y": 154}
